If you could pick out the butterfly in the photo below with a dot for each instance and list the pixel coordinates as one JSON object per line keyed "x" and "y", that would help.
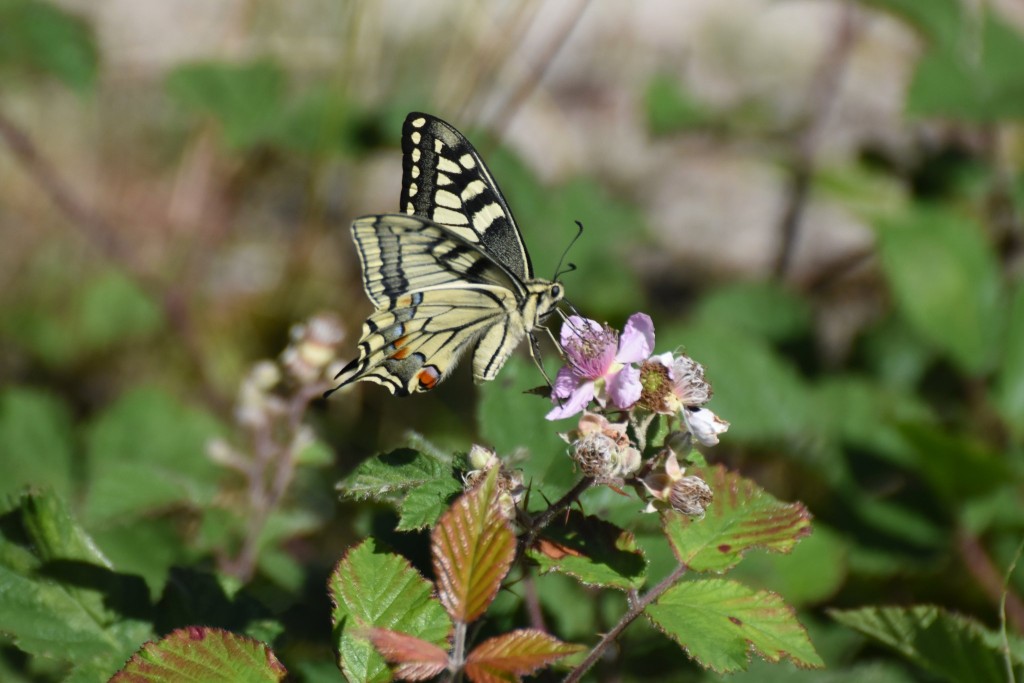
{"x": 449, "y": 274}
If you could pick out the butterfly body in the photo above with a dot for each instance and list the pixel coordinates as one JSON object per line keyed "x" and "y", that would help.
{"x": 450, "y": 274}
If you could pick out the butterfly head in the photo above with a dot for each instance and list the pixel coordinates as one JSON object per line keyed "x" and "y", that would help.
{"x": 548, "y": 295}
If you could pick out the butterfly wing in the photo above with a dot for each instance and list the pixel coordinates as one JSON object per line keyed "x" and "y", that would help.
{"x": 436, "y": 295}
{"x": 445, "y": 180}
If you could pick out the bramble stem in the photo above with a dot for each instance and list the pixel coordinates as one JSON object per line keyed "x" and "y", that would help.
{"x": 636, "y": 609}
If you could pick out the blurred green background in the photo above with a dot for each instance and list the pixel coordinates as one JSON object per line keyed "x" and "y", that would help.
{"x": 819, "y": 201}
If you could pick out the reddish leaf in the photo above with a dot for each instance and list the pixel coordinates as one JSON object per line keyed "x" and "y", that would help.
{"x": 199, "y": 653}
{"x": 417, "y": 659}
{"x": 507, "y": 657}
{"x": 473, "y": 546}
{"x": 742, "y": 517}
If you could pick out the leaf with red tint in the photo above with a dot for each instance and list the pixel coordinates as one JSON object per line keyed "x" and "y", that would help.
{"x": 744, "y": 516}
{"x": 199, "y": 653}
{"x": 473, "y": 546}
{"x": 507, "y": 657}
{"x": 417, "y": 659}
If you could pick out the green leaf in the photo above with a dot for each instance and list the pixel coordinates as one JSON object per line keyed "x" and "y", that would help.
{"x": 400, "y": 470}
{"x": 754, "y": 308}
{"x": 425, "y": 503}
{"x": 976, "y": 78}
{"x": 148, "y": 451}
{"x": 247, "y": 100}
{"x": 719, "y": 622}
{"x": 1009, "y": 387}
{"x": 371, "y": 588}
{"x": 741, "y": 517}
{"x": 59, "y": 600}
{"x": 66, "y": 313}
{"x": 864, "y": 414}
{"x": 949, "y": 646}
{"x": 35, "y": 440}
{"x": 113, "y": 309}
{"x": 946, "y": 281}
{"x": 593, "y": 551}
{"x": 957, "y": 467}
{"x": 199, "y": 653}
{"x": 38, "y": 37}
{"x": 670, "y": 108}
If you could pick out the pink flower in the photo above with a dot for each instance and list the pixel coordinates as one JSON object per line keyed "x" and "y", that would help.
{"x": 600, "y": 364}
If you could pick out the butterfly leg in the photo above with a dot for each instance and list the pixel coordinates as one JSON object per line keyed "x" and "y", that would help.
{"x": 535, "y": 355}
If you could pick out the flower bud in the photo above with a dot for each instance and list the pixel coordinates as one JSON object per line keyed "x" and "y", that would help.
{"x": 705, "y": 425}
{"x": 690, "y": 495}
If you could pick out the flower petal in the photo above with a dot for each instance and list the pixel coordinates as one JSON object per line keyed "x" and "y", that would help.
{"x": 566, "y": 382}
{"x": 705, "y": 425}
{"x": 637, "y": 340}
{"x": 624, "y": 387}
{"x": 574, "y": 403}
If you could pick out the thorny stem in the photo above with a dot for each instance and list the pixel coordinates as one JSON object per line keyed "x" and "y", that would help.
{"x": 636, "y": 608}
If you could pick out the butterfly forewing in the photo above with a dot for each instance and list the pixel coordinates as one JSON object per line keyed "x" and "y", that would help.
{"x": 446, "y": 181}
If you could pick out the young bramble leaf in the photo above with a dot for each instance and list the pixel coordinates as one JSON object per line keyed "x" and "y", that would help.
{"x": 472, "y": 546}
{"x": 718, "y": 622}
{"x": 596, "y": 552}
{"x": 199, "y": 653}
{"x": 508, "y": 656}
{"x": 400, "y": 470}
{"x": 952, "y": 647}
{"x": 371, "y": 588}
{"x": 417, "y": 659}
{"x": 742, "y": 516}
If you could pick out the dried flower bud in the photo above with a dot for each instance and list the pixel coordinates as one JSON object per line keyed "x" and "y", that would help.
{"x": 602, "y": 449}
{"x": 510, "y": 482}
{"x": 690, "y": 495}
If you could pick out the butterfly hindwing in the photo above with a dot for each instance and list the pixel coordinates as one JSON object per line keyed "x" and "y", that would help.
{"x": 445, "y": 180}
{"x": 435, "y": 295}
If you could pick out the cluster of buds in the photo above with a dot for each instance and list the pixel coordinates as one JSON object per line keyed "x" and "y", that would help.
{"x": 510, "y": 482}
{"x": 606, "y": 370}
{"x": 313, "y": 347}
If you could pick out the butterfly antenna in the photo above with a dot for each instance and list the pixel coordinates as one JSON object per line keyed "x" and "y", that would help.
{"x": 572, "y": 266}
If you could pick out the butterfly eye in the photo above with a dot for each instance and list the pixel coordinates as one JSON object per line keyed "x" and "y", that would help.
{"x": 556, "y": 292}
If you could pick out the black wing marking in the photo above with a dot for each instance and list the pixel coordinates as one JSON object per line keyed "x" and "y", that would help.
{"x": 446, "y": 181}
{"x": 402, "y": 254}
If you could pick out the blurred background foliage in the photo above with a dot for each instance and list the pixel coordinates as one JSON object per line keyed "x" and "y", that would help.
{"x": 819, "y": 201}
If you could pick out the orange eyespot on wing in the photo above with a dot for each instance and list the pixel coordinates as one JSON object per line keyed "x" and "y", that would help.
{"x": 398, "y": 348}
{"x": 428, "y": 378}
